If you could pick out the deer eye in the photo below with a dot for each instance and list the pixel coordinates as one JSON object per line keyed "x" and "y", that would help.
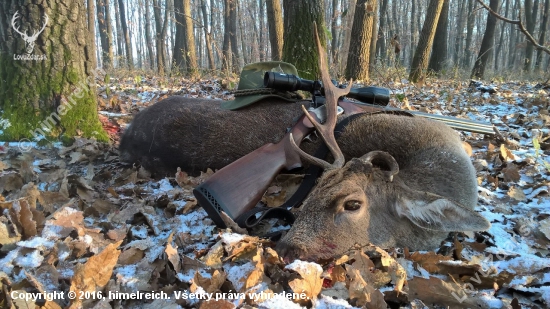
{"x": 352, "y": 205}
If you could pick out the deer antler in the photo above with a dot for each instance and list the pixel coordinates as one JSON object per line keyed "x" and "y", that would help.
{"x": 14, "y": 18}
{"x": 35, "y": 34}
{"x": 326, "y": 130}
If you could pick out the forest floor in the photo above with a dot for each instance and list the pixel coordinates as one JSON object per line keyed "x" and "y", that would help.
{"x": 77, "y": 222}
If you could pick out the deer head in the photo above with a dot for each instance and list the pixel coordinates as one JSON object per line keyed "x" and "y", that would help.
{"x": 409, "y": 184}
{"x": 29, "y": 40}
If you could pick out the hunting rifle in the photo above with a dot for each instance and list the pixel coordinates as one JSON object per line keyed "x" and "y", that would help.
{"x": 238, "y": 187}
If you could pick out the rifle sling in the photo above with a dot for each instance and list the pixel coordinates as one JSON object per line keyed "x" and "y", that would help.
{"x": 249, "y": 219}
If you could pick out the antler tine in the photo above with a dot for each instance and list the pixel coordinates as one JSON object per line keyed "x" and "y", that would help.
{"x": 14, "y": 18}
{"x": 326, "y": 130}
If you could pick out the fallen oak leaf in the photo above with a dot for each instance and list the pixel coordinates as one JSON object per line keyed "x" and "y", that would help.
{"x": 95, "y": 273}
{"x": 311, "y": 282}
{"x": 172, "y": 254}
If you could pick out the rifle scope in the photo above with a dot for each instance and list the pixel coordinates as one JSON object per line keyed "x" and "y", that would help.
{"x": 289, "y": 82}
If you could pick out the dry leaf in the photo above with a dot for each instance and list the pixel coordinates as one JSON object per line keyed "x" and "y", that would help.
{"x": 363, "y": 294}
{"x": 429, "y": 260}
{"x": 172, "y": 254}
{"x": 517, "y": 194}
{"x": 96, "y": 272}
{"x": 511, "y": 173}
{"x": 544, "y": 227}
{"x": 310, "y": 282}
{"x": 214, "y": 256}
{"x": 438, "y": 292}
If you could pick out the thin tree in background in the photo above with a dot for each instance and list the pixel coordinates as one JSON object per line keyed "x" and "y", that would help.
{"x": 148, "y": 36}
{"x": 207, "y": 37}
{"x": 531, "y": 11}
{"x": 91, "y": 28}
{"x": 422, "y": 53}
{"x": 383, "y": 33}
{"x": 487, "y": 44}
{"x": 439, "y": 53}
{"x": 299, "y": 45}
{"x": 374, "y": 36}
{"x": 542, "y": 36}
{"x": 105, "y": 32}
{"x": 126, "y": 35}
{"x": 160, "y": 37}
{"x": 230, "y": 61}
{"x": 469, "y": 33}
{"x": 185, "y": 58}
{"x": 359, "y": 53}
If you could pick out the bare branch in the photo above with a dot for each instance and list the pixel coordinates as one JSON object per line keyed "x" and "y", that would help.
{"x": 520, "y": 25}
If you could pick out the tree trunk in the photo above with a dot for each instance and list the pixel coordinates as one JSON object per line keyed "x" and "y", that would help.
{"x": 299, "y": 45}
{"x": 422, "y": 53}
{"x": 47, "y": 87}
{"x": 348, "y": 24}
{"x": 359, "y": 53}
{"x": 233, "y": 35}
{"x": 459, "y": 39}
{"x": 501, "y": 39}
{"x": 374, "y": 36}
{"x": 227, "y": 57}
{"x": 148, "y": 36}
{"x": 414, "y": 31}
{"x": 207, "y": 37}
{"x": 120, "y": 48}
{"x": 531, "y": 11}
{"x": 127, "y": 42}
{"x": 542, "y": 36}
{"x": 262, "y": 45}
{"x": 91, "y": 29}
{"x": 105, "y": 32}
{"x": 161, "y": 27}
{"x": 439, "y": 54}
{"x": 487, "y": 43}
{"x": 383, "y": 33}
{"x": 469, "y": 32}
{"x": 334, "y": 33}
{"x": 185, "y": 58}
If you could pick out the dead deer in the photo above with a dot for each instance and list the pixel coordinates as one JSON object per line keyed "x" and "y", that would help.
{"x": 407, "y": 180}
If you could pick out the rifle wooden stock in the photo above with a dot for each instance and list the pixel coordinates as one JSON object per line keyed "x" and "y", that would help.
{"x": 239, "y": 186}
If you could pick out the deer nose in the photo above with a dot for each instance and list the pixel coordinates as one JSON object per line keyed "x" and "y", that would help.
{"x": 290, "y": 251}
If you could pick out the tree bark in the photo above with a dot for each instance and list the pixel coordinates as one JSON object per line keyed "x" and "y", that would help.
{"x": 359, "y": 54}
{"x": 469, "y": 32}
{"x": 47, "y": 89}
{"x": 374, "y": 36}
{"x": 542, "y": 36}
{"x": 422, "y": 53}
{"x": 439, "y": 53}
{"x": 233, "y": 35}
{"x": 383, "y": 33}
{"x": 91, "y": 29}
{"x": 487, "y": 44}
{"x": 207, "y": 37}
{"x": 185, "y": 58}
{"x": 227, "y": 57}
{"x": 262, "y": 44}
{"x": 148, "y": 36}
{"x": 299, "y": 45}
{"x": 501, "y": 40}
{"x": 126, "y": 36}
{"x": 160, "y": 36}
{"x": 120, "y": 47}
{"x": 531, "y": 11}
{"x": 105, "y": 32}
{"x": 459, "y": 39}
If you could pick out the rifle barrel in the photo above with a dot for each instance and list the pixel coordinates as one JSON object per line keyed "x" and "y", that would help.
{"x": 453, "y": 122}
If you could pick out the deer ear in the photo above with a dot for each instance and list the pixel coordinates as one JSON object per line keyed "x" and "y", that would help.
{"x": 434, "y": 212}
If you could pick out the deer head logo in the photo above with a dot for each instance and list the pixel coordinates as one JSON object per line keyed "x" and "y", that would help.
{"x": 29, "y": 40}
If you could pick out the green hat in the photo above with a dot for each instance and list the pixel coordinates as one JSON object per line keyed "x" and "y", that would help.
{"x": 252, "y": 77}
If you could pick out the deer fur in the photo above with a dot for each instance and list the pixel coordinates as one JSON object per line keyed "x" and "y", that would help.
{"x": 433, "y": 192}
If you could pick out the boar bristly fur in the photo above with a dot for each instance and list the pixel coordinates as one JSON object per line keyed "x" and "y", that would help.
{"x": 196, "y": 134}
